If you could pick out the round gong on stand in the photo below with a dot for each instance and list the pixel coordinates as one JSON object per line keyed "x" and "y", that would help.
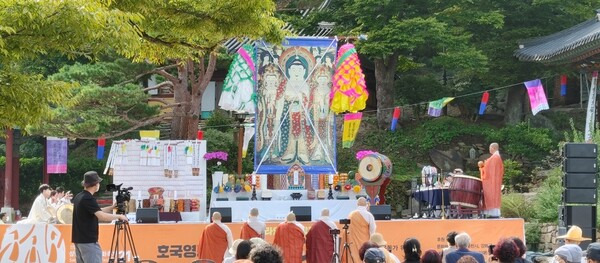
{"x": 374, "y": 171}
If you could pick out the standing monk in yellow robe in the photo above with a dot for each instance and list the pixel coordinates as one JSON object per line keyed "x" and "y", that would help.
{"x": 362, "y": 226}
{"x": 289, "y": 236}
{"x": 492, "y": 173}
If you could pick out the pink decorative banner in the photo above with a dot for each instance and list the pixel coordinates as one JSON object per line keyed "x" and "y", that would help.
{"x": 56, "y": 155}
{"x": 537, "y": 96}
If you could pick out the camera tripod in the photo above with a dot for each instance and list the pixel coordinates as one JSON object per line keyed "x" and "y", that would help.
{"x": 121, "y": 255}
{"x": 345, "y": 251}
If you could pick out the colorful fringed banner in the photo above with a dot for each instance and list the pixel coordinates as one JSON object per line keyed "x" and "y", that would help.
{"x": 484, "y": 101}
{"x": 436, "y": 106}
{"x": 351, "y": 126}
{"x": 395, "y": 118}
{"x": 349, "y": 90}
{"x": 100, "y": 151}
{"x": 537, "y": 96}
{"x": 563, "y": 85}
{"x": 238, "y": 88}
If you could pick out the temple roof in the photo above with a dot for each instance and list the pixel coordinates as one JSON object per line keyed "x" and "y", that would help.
{"x": 570, "y": 45}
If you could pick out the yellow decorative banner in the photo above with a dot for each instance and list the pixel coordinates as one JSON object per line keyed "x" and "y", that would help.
{"x": 153, "y": 134}
{"x": 351, "y": 126}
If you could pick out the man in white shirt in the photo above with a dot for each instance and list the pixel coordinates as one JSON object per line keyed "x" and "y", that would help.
{"x": 253, "y": 227}
{"x": 39, "y": 212}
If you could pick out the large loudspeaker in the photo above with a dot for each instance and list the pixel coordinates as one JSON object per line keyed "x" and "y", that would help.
{"x": 303, "y": 213}
{"x": 582, "y": 216}
{"x": 225, "y": 213}
{"x": 580, "y": 196}
{"x": 580, "y": 180}
{"x": 580, "y": 165}
{"x": 146, "y": 215}
{"x": 381, "y": 212}
{"x": 581, "y": 150}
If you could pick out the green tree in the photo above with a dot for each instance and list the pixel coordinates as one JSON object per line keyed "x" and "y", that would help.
{"x": 186, "y": 35}
{"x": 402, "y": 36}
{"x": 29, "y": 28}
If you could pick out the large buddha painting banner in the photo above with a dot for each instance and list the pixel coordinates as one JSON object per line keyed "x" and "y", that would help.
{"x": 293, "y": 122}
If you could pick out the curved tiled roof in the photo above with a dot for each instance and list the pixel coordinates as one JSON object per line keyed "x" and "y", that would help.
{"x": 564, "y": 46}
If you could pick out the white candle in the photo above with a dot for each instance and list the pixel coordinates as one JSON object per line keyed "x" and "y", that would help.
{"x": 331, "y": 179}
{"x": 175, "y": 195}
{"x": 254, "y": 179}
{"x": 139, "y": 195}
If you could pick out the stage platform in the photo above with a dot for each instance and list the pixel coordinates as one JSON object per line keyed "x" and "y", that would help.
{"x": 178, "y": 242}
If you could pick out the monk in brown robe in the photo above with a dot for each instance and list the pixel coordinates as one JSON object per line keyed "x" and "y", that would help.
{"x": 319, "y": 241}
{"x": 215, "y": 241}
{"x": 491, "y": 179}
{"x": 362, "y": 226}
{"x": 289, "y": 236}
{"x": 253, "y": 227}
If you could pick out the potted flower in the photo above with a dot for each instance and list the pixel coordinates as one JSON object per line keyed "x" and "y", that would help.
{"x": 214, "y": 166}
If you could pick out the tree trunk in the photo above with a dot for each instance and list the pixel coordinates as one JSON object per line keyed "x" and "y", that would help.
{"x": 181, "y": 95}
{"x": 385, "y": 70}
{"x": 513, "y": 113}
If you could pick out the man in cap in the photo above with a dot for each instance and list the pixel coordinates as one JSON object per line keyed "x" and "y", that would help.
{"x": 593, "y": 253}
{"x": 319, "y": 241}
{"x": 574, "y": 236}
{"x": 86, "y": 214}
{"x": 569, "y": 253}
{"x": 374, "y": 255}
{"x": 253, "y": 227}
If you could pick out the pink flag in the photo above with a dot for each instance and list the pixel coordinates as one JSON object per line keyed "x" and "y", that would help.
{"x": 537, "y": 96}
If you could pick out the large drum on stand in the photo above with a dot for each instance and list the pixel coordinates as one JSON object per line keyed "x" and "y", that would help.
{"x": 465, "y": 191}
{"x": 374, "y": 171}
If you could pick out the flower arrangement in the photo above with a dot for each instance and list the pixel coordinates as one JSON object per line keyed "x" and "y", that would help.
{"x": 361, "y": 154}
{"x": 217, "y": 156}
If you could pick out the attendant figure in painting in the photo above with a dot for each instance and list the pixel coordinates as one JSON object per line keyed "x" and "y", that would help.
{"x": 253, "y": 227}
{"x": 491, "y": 178}
{"x": 319, "y": 241}
{"x": 215, "y": 241}
{"x": 289, "y": 236}
{"x": 320, "y": 114}
{"x": 268, "y": 104}
{"x": 362, "y": 226}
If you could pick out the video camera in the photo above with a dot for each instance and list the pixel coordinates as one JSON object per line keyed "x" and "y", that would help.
{"x": 123, "y": 196}
{"x": 345, "y": 221}
{"x": 334, "y": 231}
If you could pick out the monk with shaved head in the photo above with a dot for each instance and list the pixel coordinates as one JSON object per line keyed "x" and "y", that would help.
{"x": 362, "y": 226}
{"x": 319, "y": 241}
{"x": 253, "y": 227}
{"x": 492, "y": 174}
{"x": 215, "y": 241}
{"x": 289, "y": 236}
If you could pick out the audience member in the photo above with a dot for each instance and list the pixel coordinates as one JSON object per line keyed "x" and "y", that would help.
{"x": 467, "y": 259}
{"x": 451, "y": 245}
{"x": 522, "y": 250}
{"x": 412, "y": 250}
{"x": 266, "y": 254}
{"x": 569, "y": 253}
{"x": 3, "y": 218}
{"x": 243, "y": 252}
{"x": 257, "y": 242}
{"x": 431, "y": 256}
{"x": 593, "y": 253}
{"x": 374, "y": 255}
{"x": 230, "y": 258}
{"x": 574, "y": 236}
{"x": 463, "y": 240}
{"x": 365, "y": 246}
{"x": 377, "y": 238}
{"x": 506, "y": 251}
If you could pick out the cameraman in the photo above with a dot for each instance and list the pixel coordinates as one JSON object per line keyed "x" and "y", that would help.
{"x": 86, "y": 214}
